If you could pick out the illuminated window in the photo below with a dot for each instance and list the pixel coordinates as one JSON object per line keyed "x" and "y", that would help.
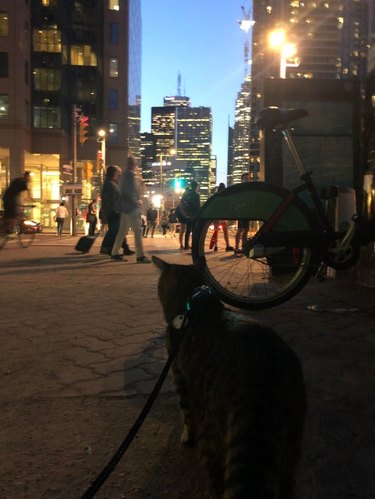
{"x": 3, "y": 24}
{"x": 46, "y": 79}
{"x": 46, "y": 40}
{"x": 82, "y": 55}
{"x": 4, "y": 106}
{"x": 113, "y": 5}
{"x": 113, "y": 68}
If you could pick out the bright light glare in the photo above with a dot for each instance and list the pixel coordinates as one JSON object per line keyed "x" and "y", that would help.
{"x": 156, "y": 200}
{"x": 276, "y": 38}
{"x": 289, "y": 50}
{"x": 246, "y": 24}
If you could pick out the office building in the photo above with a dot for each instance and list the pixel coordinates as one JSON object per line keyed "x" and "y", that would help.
{"x": 62, "y": 59}
{"x": 187, "y": 130}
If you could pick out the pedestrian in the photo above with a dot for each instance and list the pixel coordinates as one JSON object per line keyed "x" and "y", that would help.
{"x": 61, "y": 214}
{"x": 182, "y": 221}
{"x": 92, "y": 219}
{"x": 143, "y": 224}
{"x": 151, "y": 216}
{"x": 189, "y": 207}
{"x": 172, "y": 219}
{"x": 130, "y": 203}
{"x": 243, "y": 225}
{"x": 164, "y": 223}
{"x": 11, "y": 200}
{"x": 223, "y": 224}
{"x": 110, "y": 210}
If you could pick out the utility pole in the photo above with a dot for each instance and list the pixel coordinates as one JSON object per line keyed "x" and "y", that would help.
{"x": 75, "y": 116}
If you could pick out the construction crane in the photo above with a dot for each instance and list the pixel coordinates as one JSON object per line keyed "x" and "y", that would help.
{"x": 246, "y": 24}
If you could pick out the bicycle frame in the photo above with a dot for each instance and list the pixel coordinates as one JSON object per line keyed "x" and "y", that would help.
{"x": 325, "y": 233}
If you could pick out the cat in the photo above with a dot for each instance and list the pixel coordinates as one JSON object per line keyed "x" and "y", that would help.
{"x": 241, "y": 391}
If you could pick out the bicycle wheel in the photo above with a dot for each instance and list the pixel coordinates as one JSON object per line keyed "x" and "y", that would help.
{"x": 261, "y": 276}
{"x": 25, "y": 238}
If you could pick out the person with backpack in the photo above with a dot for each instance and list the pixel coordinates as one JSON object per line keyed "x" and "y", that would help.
{"x": 151, "y": 215}
{"x": 172, "y": 220}
{"x": 189, "y": 207}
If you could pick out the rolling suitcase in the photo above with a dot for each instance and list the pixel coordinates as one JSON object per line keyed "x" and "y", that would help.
{"x": 84, "y": 244}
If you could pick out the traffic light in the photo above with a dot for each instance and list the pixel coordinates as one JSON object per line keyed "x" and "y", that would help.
{"x": 89, "y": 170}
{"x": 83, "y": 124}
{"x": 178, "y": 184}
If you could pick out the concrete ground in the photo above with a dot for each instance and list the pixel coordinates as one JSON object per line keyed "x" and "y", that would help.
{"x": 82, "y": 345}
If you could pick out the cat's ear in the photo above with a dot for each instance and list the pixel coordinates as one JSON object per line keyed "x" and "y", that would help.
{"x": 161, "y": 264}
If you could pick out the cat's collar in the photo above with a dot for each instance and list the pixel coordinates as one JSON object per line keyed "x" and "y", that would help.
{"x": 201, "y": 297}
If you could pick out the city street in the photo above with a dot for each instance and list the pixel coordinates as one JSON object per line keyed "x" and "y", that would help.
{"x": 83, "y": 345}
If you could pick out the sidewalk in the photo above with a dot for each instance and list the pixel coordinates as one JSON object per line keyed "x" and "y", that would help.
{"x": 83, "y": 345}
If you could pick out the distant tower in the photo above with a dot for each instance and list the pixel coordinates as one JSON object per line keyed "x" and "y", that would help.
{"x": 240, "y": 160}
{"x": 179, "y": 84}
{"x": 246, "y": 24}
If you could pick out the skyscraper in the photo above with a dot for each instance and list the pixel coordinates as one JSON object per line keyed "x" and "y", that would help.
{"x": 189, "y": 131}
{"x": 57, "y": 54}
{"x": 331, "y": 39}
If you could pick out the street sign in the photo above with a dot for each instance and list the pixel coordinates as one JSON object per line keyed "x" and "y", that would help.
{"x": 70, "y": 189}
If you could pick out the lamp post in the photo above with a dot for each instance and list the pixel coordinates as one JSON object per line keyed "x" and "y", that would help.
{"x": 277, "y": 40}
{"x": 101, "y": 140}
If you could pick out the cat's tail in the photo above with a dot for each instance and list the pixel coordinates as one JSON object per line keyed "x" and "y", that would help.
{"x": 253, "y": 457}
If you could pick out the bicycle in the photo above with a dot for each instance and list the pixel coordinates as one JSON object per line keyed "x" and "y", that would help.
{"x": 288, "y": 241}
{"x": 24, "y": 231}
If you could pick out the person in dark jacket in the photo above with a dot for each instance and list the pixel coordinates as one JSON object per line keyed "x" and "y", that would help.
{"x": 189, "y": 206}
{"x": 11, "y": 199}
{"x": 110, "y": 210}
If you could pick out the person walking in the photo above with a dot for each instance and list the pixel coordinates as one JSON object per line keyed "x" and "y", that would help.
{"x": 164, "y": 223}
{"x": 223, "y": 224}
{"x": 92, "y": 219}
{"x": 189, "y": 207}
{"x": 172, "y": 220}
{"x": 130, "y": 203}
{"x": 242, "y": 226}
{"x": 61, "y": 214}
{"x": 151, "y": 216}
{"x": 110, "y": 210}
{"x": 11, "y": 200}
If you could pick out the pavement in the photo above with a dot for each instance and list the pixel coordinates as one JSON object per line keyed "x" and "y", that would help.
{"x": 83, "y": 345}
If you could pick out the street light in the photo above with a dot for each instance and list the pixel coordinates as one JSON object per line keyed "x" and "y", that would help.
{"x": 101, "y": 140}
{"x": 277, "y": 40}
{"x": 172, "y": 152}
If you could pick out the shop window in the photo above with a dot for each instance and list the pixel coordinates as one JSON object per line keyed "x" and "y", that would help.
{"x": 114, "y": 34}
{"x": 46, "y": 117}
{"x": 46, "y": 79}
{"x": 82, "y": 55}
{"x": 4, "y": 106}
{"x": 113, "y": 5}
{"x": 4, "y": 65}
{"x": 113, "y": 133}
{"x": 113, "y": 100}
{"x": 113, "y": 68}
{"x": 46, "y": 40}
{"x": 4, "y": 24}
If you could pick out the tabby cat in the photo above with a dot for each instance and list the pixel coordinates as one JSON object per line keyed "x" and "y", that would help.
{"x": 241, "y": 391}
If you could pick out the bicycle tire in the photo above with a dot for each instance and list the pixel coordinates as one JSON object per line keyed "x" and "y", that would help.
{"x": 254, "y": 283}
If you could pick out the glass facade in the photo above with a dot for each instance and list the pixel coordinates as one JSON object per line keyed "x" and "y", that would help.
{"x": 134, "y": 81}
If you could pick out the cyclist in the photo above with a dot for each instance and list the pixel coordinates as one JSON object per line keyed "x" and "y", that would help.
{"x": 11, "y": 198}
{"x": 243, "y": 225}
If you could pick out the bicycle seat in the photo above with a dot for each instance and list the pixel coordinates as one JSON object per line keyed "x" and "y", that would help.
{"x": 274, "y": 117}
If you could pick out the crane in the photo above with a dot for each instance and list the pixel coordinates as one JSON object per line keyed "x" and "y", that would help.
{"x": 246, "y": 23}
